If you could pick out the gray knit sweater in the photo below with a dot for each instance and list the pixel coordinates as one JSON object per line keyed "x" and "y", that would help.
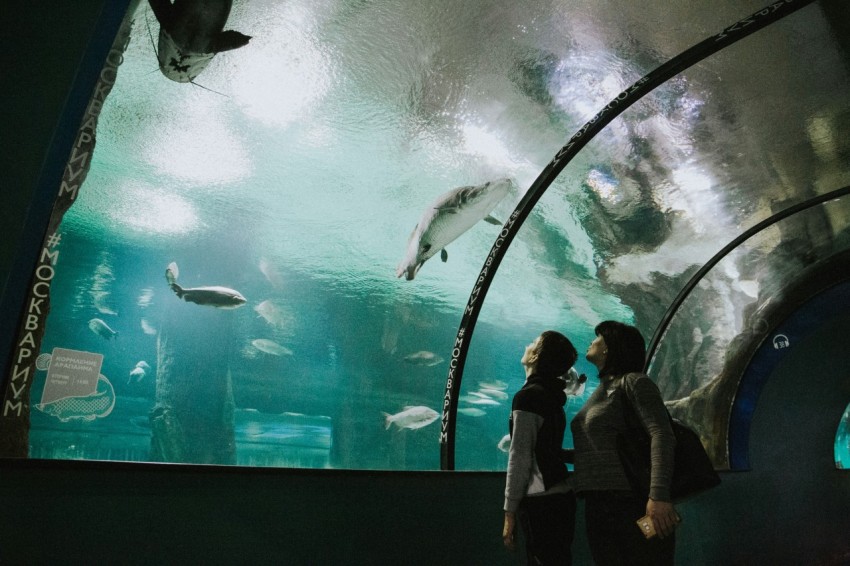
{"x": 602, "y": 418}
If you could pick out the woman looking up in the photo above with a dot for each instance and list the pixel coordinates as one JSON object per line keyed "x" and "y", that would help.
{"x": 538, "y": 494}
{"x": 611, "y": 506}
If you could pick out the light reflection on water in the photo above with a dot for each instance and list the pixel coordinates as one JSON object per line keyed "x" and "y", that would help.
{"x": 299, "y": 179}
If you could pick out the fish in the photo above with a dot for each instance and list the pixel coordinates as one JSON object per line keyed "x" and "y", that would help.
{"x": 144, "y": 365}
{"x": 472, "y": 412}
{"x": 145, "y": 298}
{"x": 271, "y": 347}
{"x": 505, "y": 444}
{"x": 97, "y": 405}
{"x": 497, "y": 384}
{"x": 574, "y": 383}
{"x": 423, "y": 358}
{"x": 218, "y": 297}
{"x": 191, "y": 32}
{"x": 449, "y": 216}
{"x": 492, "y": 393}
{"x": 137, "y": 374}
{"x": 100, "y": 328}
{"x": 411, "y": 418}
{"x": 270, "y": 312}
{"x": 272, "y": 274}
{"x": 481, "y": 401}
{"x": 146, "y": 327}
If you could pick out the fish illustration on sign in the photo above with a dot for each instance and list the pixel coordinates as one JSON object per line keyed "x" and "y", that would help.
{"x": 271, "y": 347}
{"x": 423, "y": 358}
{"x": 100, "y": 328}
{"x": 449, "y": 216}
{"x": 215, "y": 296}
{"x": 97, "y": 405}
{"x": 411, "y": 418}
{"x": 191, "y": 32}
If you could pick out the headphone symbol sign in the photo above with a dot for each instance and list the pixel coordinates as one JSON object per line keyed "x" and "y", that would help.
{"x": 781, "y": 341}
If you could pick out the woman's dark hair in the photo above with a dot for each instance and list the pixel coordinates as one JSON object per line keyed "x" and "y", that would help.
{"x": 555, "y": 354}
{"x": 626, "y": 348}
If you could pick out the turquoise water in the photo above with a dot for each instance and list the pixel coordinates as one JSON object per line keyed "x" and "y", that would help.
{"x": 293, "y": 173}
{"x": 298, "y": 186}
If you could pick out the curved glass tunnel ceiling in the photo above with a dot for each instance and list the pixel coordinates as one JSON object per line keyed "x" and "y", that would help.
{"x": 296, "y": 168}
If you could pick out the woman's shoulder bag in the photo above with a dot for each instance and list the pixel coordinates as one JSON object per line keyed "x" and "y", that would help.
{"x": 693, "y": 471}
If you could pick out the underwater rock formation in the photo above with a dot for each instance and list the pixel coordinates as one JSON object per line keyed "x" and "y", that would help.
{"x": 192, "y": 421}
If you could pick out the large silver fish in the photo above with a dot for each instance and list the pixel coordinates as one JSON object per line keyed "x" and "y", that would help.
{"x": 191, "y": 32}
{"x": 215, "y": 296}
{"x": 411, "y": 418}
{"x": 449, "y": 216}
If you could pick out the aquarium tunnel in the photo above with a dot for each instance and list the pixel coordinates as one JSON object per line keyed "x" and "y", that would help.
{"x": 268, "y": 296}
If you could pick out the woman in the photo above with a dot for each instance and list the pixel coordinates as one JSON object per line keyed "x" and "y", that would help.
{"x": 611, "y": 506}
{"x": 537, "y": 489}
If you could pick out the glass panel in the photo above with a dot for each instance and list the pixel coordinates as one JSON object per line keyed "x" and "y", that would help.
{"x": 233, "y": 251}
{"x": 842, "y": 442}
{"x": 713, "y": 335}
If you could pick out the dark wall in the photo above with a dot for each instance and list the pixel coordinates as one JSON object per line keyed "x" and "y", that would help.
{"x": 42, "y": 48}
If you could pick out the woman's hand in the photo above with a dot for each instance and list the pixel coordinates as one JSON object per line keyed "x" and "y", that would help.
{"x": 509, "y": 531}
{"x": 664, "y": 517}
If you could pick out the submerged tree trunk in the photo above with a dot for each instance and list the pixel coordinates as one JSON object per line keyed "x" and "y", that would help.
{"x": 192, "y": 421}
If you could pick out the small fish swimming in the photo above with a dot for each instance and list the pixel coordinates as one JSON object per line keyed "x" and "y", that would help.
{"x": 505, "y": 444}
{"x": 144, "y": 365}
{"x": 423, "y": 358}
{"x": 270, "y": 312}
{"x": 472, "y": 412}
{"x": 449, "y": 216}
{"x": 481, "y": 401}
{"x": 146, "y": 327}
{"x": 411, "y": 418}
{"x": 574, "y": 383}
{"x": 492, "y": 393}
{"x": 497, "y": 384}
{"x": 271, "y": 347}
{"x": 218, "y": 297}
{"x": 137, "y": 374}
{"x": 272, "y": 274}
{"x": 191, "y": 32}
{"x": 100, "y": 328}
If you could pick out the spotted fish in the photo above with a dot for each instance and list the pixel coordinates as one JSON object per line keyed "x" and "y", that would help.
{"x": 449, "y": 216}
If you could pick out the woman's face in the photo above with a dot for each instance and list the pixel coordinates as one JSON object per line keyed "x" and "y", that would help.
{"x": 530, "y": 355}
{"x": 597, "y": 352}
